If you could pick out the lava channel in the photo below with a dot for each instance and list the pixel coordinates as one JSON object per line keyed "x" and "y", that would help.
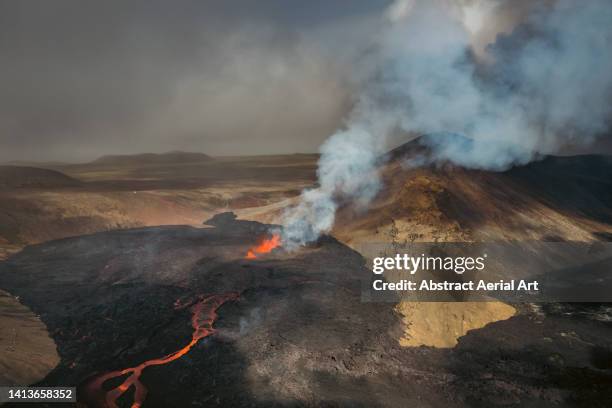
{"x": 204, "y": 314}
{"x": 267, "y": 245}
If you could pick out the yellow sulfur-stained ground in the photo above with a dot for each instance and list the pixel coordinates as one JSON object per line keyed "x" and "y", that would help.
{"x": 441, "y": 324}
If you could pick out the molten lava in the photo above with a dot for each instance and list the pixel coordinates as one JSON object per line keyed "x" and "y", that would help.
{"x": 203, "y": 317}
{"x": 267, "y": 245}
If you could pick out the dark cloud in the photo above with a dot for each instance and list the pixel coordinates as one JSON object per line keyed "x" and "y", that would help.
{"x": 84, "y": 78}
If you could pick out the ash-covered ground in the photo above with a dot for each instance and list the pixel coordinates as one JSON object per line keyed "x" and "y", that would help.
{"x": 296, "y": 335}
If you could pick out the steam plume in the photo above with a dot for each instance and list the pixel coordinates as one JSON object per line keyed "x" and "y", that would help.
{"x": 545, "y": 84}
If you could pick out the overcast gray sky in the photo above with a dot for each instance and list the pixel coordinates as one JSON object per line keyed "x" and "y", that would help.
{"x": 84, "y": 78}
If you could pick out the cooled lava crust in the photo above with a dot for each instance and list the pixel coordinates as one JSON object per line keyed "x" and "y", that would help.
{"x": 297, "y": 334}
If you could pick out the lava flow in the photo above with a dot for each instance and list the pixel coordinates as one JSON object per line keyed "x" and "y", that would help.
{"x": 203, "y": 317}
{"x": 267, "y": 245}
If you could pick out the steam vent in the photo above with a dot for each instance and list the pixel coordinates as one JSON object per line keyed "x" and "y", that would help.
{"x": 166, "y": 316}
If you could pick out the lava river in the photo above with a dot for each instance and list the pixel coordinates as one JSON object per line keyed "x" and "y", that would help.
{"x": 204, "y": 314}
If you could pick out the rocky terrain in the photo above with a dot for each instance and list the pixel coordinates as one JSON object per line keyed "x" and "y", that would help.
{"x": 176, "y": 316}
{"x": 554, "y": 199}
{"x": 38, "y": 205}
{"x": 291, "y": 329}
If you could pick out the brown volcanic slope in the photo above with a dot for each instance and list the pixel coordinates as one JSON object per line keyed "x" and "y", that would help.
{"x": 28, "y": 354}
{"x": 33, "y": 177}
{"x": 14, "y": 213}
{"x": 557, "y": 198}
{"x": 296, "y": 335}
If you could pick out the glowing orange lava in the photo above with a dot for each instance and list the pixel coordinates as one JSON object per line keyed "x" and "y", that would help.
{"x": 204, "y": 315}
{"x": 267, "y": 245}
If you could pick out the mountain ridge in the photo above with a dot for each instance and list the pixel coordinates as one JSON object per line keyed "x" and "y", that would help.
{"x": 152, "y": 158}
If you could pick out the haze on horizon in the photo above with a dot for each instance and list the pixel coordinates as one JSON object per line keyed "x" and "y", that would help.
{"x": 223, "y": 77}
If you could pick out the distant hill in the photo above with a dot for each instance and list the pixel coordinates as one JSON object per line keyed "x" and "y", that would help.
{"x": 22, "y": 176}
{"x": 43, "y": 164}
{"x": 152, "y": 158}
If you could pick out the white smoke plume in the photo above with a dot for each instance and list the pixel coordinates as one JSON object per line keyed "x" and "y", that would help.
{"x": 543, "y": 85}
{"x": 347, "y": 170}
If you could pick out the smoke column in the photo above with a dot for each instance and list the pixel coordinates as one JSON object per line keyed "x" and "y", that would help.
{"x": 545, "y": 84}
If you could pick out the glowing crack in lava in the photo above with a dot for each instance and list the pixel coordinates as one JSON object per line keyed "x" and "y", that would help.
{"x": 204, "y": 314}
{"x": 267, "y": 245}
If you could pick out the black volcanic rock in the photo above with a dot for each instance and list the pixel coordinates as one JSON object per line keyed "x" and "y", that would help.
{"x": 298, "y": 335}
{"x": 228, "y": 220}
{"x": 424, "y": 147}
{"x": 580, "y": 184}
